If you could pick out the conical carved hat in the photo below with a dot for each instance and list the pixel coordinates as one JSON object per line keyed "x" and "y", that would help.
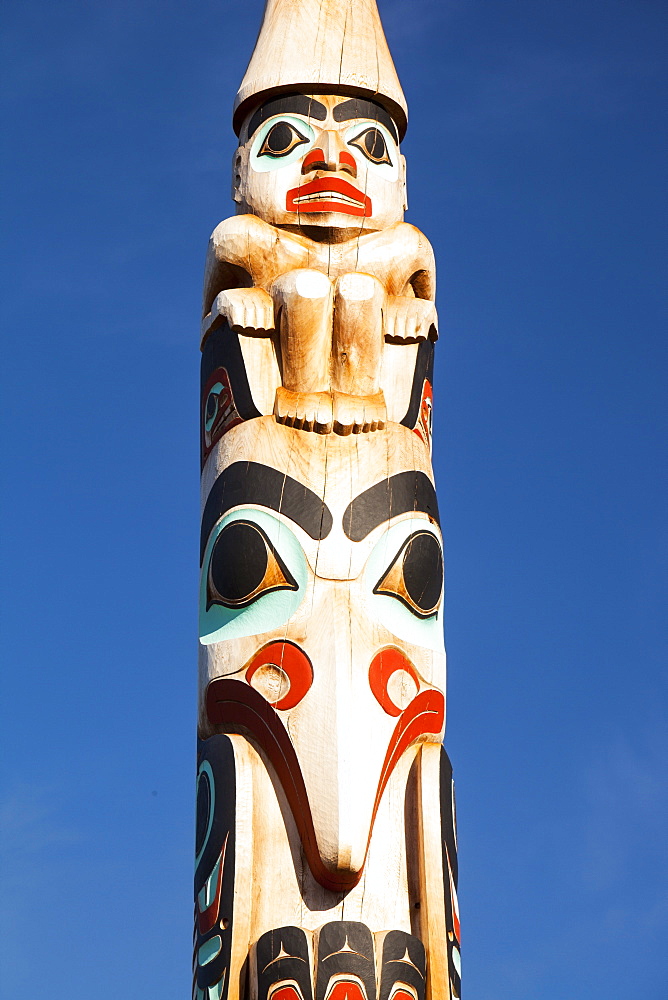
{"x": 335, "y": 46}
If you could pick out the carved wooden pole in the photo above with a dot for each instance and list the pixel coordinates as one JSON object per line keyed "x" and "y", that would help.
{"x": 326, "y": 849}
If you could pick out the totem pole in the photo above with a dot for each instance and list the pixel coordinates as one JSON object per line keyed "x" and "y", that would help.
{"x": 326, "y": 849}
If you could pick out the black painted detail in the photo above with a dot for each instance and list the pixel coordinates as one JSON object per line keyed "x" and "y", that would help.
{"x": 215, "y": 861}
{"x": 407, "y": 491}
{"x": 345, "y": 948}
{"x": 244, "y": 565}
{"x": 293, "y": 967}
{"x": 222, "y": 350}
{"x": 424, "y": 369}
{"x": 295, "y": 104}
{"x": 281, "y": 139}
{"x": 450, "y": 872}
{"x": 418, "y": 580}
{"x": 372, "y": 143}
{"x": 359, "y": 107}
{"x": 423, "y": 570}
{"x": 250, "y": 482}
{"x": 403, "y": 961}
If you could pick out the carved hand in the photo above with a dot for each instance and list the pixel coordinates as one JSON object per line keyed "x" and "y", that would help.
{"x": 247, "y": 310}
{"x": 409, "y": 319}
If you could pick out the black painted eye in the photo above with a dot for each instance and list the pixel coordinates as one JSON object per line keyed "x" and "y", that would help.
{"x": 281, "y": 139}
{"x": 203, "y": 810}
{"x": 244, "y": 565}
{"x": 372, "y": 143}
{"x": 416, "y": 576}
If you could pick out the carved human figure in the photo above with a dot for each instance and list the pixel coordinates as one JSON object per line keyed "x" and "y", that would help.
{"x": 320, "y": 253}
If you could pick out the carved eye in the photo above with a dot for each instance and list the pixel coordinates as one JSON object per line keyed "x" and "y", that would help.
{"x": 416, "y": 576}
{"x": 244, "y": 565}
{"x": 372, "y": 143}
{"x": 281, "y": 139}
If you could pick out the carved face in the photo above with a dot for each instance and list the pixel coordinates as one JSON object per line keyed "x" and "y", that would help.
{"x": 321, "y": 161}
{"x": 327, "y": 605}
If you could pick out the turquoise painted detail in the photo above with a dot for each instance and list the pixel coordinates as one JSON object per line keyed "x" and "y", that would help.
{"x": 388, "y": 170}
{"x": 389, "y": 611}
{"x": 266, "y": 162}
{"x": 210, "y": 949}
{"x": 215, "y": 389}
{"x": 200, "y": 994}
{"x": 216, "y": 991}
{"x": 268, "y": 611}
{"x": 457, "y": 962}
{"x": 205, "y": 766}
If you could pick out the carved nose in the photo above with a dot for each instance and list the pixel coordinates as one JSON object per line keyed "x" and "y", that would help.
{"x": 329, "y": 153}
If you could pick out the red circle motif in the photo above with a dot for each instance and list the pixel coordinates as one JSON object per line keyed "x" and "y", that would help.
{"x": 294, "y": 663}
{"x": 384, "y": 664}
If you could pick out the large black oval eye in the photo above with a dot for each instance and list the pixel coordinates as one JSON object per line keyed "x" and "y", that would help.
{"x": 203, "y": 810}
{"x": 243, "y": 565}
{"x": 423, "y": 570}
{"x": 372, "y": 143}
{"x": 281, "y": 139}
{"x": 416, "y": 575}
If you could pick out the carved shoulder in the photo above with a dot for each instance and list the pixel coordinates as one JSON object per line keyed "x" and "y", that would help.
{"x": 402, "y": 258}
{"x": 244, "y": 251}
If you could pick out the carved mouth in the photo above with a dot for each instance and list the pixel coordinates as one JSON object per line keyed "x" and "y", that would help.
{"x": 329, "y": 194}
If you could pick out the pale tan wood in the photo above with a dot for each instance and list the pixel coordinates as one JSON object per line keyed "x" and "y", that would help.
{"x": 332, "y": 322}
{"x": 244, "y": 888}
{"x": 261, "y": 361}
{"x": 396, "y": 376}
{"x": 338, "y": 469}
{"x": 282, "y": 888}
{"x": 340, "y": 43}
{"x": 433, "y": 884}
{"x": 245, "y": 249}
{"x": 330, "y": 294}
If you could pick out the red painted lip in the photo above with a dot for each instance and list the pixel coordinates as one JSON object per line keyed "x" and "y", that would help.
{"x": 300, "y": 199}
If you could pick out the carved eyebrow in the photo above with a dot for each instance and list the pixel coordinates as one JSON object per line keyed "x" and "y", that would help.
{"x": 298, "y": 104}
{"x": 250, "y": 482}
{"x": 358, "y": 107}
{"x": 407, "y": 491}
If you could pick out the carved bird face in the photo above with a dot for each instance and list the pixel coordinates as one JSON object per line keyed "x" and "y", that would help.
{"x": 321, "y": 616}
{"x": 324, "y": 162}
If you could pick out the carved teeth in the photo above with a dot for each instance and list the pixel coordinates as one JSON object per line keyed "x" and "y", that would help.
{"x": 328, "y": 196}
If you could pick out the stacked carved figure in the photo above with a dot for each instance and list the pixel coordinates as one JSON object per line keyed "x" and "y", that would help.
{"x": 326, "y": 864}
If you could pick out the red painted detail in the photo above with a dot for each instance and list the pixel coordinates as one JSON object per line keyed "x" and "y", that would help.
{"x": 207, "y": 918}
{"x": 423, "y": 425}
{"x": 227, "y": 416}
{"x": 348, "y": 160}
{"x": 286, "y": 993}
{"x": 384, "y": 664}
{"x": 294, "y": 662}
{"x": 346, "y": 989}
{"x": 236, "y": 706}
{"x": 425, "y": 714}
{"x": 321, "y": 185}
{"x": 315, "y": 155}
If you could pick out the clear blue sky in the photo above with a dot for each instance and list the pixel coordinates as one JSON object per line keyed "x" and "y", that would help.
{"x": 536, "y": 157}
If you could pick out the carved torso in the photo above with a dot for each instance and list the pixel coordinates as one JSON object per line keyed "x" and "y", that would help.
{"x": 244, "y": 250}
